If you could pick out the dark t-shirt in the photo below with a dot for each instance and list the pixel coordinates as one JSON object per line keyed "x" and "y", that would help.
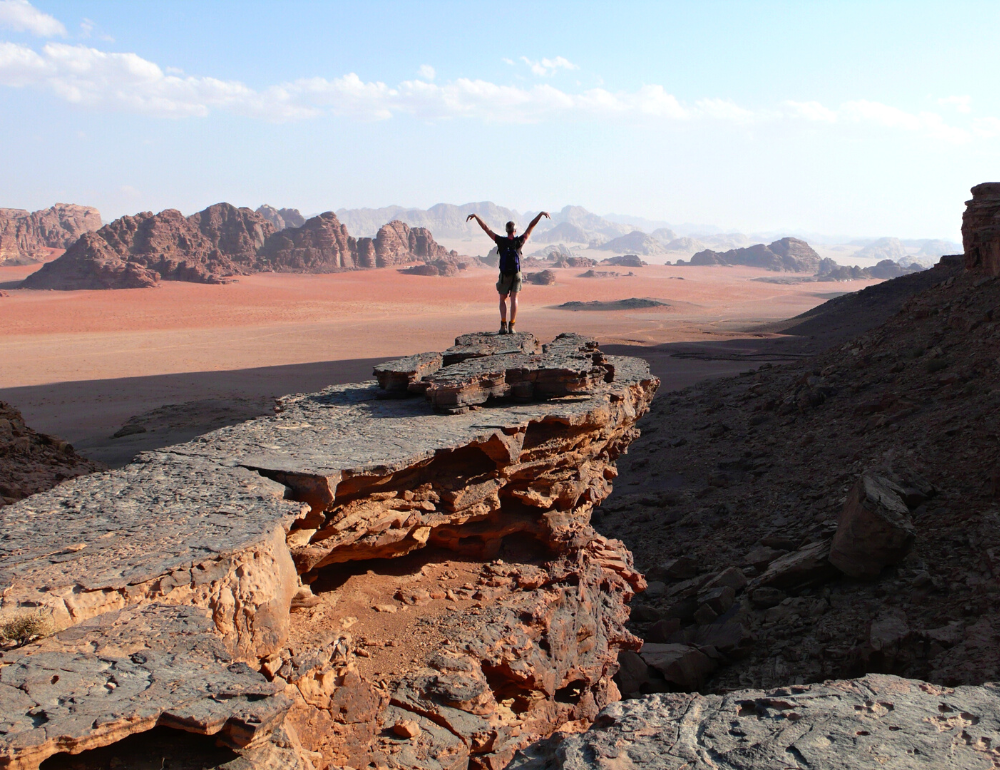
{"x": 508, "y": 249}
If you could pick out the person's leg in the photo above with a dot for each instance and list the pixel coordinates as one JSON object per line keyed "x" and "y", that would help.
{"x": 503, "y": 309}
{"x": 513, "y": 307}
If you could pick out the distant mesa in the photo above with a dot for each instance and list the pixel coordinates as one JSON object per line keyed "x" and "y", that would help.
{"x": 281, "y": 218}
{"x": 686, "y": 245}
{"x": 26, "y": 237}
{"x": 789, "y": 254}
{"x": 636, "y": 242}
{"x": 887, "y": 268}
{"x": 544, "y": 278}
{"x": 625, "y": 260}
{"x": 575, "y": 262}
{"x": 222, "y": 242}
{"x": 441, "y": 267}
{"x": 605, "y": 274}
{"x": 633, "y": 303}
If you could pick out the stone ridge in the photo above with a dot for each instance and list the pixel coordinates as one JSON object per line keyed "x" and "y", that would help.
{"x": 209, "y": 545}
{"x": 784, "y": 254}
{"x": 981, "y": 228}
{"x": 875, "y": 723}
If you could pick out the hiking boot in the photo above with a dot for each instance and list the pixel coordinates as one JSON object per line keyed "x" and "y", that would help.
{"x": 510, "y": 328}
{"x": 503, "y": 328}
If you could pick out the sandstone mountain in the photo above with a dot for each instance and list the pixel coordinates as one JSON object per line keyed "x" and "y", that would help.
{"x": 664, "y": 235}
{"x": 281, "y": 218}
{"x": 24, "y": 237}
{"x": 219, "y": 243}
{"x": 883, "y": 248}
{"x": 564, "y": 232}
{"x": 635, "y": 242}
{"x": 785, "y": 254}
{"x": 138, "y": 251}
{"x": 829, "y": 270}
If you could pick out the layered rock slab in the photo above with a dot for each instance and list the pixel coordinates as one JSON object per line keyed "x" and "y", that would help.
{"x": 875, "y": 723}
{"x": 342, "y": 477}
{"x": 127, "y": 672}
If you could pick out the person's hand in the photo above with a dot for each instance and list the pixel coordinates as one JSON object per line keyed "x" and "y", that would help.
{"x": 546, "y": 215}
{"x": 470, "y": 217}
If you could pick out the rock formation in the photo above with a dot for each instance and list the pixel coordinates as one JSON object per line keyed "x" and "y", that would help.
{"x": 785, "y": 254}
{"x": 136, "y": 252}
{"x": 221, "y": 242}
{"x": 829, "y": 270}
{"x": 981, "y": 228}
{"x": 542, "y": 278}
{"x": 874, "y": 723}
{"x": 281, "y": 218}
{"x": 24, "y": 237}
{"x": 355, "y": 581}
{"x": 564, "y": 231}
{"x": 624, "y": 260}
{"x": 636, "y": 242}
{"x": 32, "y": 462}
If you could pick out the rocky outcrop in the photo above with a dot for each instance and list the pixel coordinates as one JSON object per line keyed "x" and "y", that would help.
{"x": 281, "y": 218}
{"x": 875, "y": 723}
{"x": 789, "y": 254}
{"x": 624, "y": 260}
{"x": 354, "y": 581}
{"x": 321, "y": 245}
{"x": 136, "y": 252}
{"x": 32, "y": 462}
{"x": 26, "y": 237}
{"x": 829, "y": 270}
{"x": 981, "y": 229}
{"x": 542, "y": 278}
{"x": 221, "y": 242}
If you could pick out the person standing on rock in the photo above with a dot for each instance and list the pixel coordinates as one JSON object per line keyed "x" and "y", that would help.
{"x": 509, "y": 248}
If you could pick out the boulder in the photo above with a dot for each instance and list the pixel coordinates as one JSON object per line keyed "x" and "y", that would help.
{"x": 680, "y": 665}
{"x": 799, "y": 569}
{"x": 544, "y": 278}
{"x": 874, "y": 529}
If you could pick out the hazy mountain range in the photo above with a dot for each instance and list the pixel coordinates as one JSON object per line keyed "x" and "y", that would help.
{"x": 577, "y": 226}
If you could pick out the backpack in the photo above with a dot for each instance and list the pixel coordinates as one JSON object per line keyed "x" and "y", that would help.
{"x": 510, "y": 259}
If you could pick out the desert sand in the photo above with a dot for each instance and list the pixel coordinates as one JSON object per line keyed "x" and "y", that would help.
{"x": 79, "y": 364}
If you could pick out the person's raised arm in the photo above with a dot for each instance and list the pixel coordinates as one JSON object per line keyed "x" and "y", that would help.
{"x": 482, "y": 224}
{"x": 534, "y": 222}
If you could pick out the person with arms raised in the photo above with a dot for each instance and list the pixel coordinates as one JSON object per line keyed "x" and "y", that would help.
{"x": 509, "y": 248}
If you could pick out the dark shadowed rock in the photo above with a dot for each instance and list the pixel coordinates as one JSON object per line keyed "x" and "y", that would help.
{"x": 874, "y": 528}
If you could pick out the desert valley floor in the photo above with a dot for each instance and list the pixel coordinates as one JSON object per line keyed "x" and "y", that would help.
{"x": 79, "y": 364}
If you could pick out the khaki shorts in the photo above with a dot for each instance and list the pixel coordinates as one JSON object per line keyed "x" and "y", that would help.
{"x": 507, "y": 284}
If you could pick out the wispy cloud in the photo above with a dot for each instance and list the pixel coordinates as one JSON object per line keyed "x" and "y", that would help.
{"x": 882, "y": 115}
{"x": 22, "y": 16}
{"x": 426, "y": 71}
{"x": 960, "y": 103}
{"x": 548, "y": 67}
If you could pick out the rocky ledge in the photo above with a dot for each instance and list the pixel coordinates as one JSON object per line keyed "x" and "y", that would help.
{"x": 875, "y": 723}
{"x": 355, "y": 581}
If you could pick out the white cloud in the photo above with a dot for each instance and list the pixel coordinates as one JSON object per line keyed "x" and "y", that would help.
{"x": 95, "y": 79}
{"x": 960, "y": 103}
{"x": 811, "y": 111}
{"x": 549, "y": 67}
{"x": 22, "y": 16}
{"x": 724, "y": 109}
{"x": 505, "y": 60}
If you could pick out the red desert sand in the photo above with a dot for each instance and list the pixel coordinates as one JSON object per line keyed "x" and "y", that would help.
{"x": 79, "y": 364}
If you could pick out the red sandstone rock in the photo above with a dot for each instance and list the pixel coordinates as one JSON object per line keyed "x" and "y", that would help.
{"x": 136, "y": 252}
{"x": 321, "y": 245}
{"x": 981, "y": 228}
{"x": 24, "y": 237}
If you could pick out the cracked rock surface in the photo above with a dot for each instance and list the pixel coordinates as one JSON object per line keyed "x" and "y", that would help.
{"x": 875, "y": 723}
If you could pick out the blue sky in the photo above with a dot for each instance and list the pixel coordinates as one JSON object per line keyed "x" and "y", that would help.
{"x": 854, "y": 118}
